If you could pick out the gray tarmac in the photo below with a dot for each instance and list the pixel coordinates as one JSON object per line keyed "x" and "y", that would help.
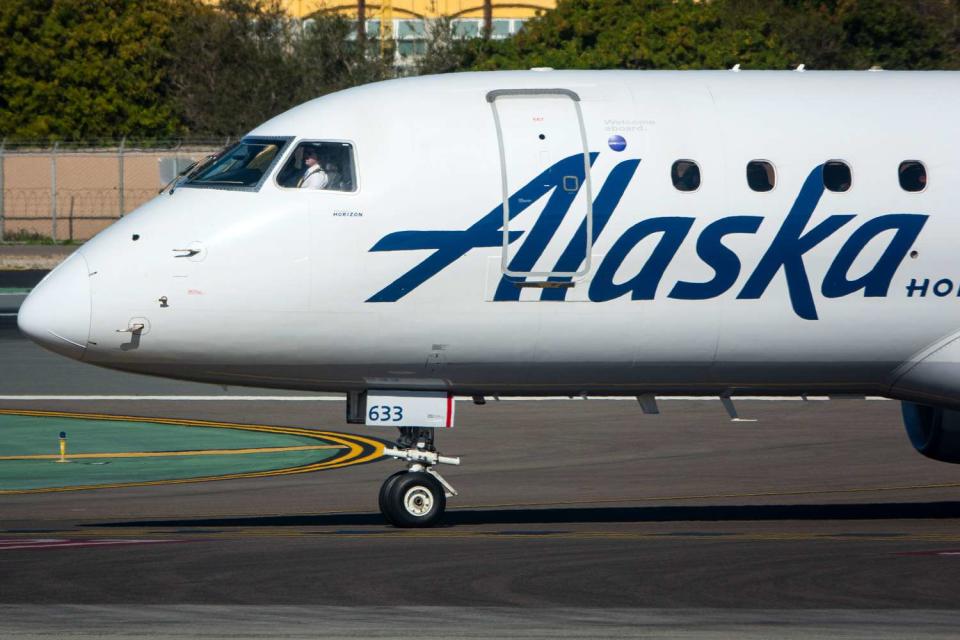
{"x": 577, "y": 518}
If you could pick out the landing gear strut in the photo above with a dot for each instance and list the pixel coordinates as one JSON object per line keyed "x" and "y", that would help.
{"x": 417, "y": 496}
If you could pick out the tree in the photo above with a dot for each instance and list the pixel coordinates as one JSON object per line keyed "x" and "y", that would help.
{"x": 762, "y": 34}
{"x": 909, "y": 34}
{"x": 859, "y": 34}
{"x": 73, "y": 69}
{"x": 240, "y": 62}
{"x": 446, "y": 50}
{"x": 640, "y": 34}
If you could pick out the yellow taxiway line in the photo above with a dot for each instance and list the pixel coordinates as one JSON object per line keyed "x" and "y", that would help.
{"x": 164, "y": 454}
{"x": 361, "y": 449}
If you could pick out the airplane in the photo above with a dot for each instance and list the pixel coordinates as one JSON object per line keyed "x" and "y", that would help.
{"x": 549, "y": 233}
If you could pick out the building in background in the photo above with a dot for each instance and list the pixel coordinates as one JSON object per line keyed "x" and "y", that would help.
{"x": 403, "y": 24}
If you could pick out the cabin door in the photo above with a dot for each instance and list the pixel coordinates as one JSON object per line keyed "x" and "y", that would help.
{"x": 545, "y": 167}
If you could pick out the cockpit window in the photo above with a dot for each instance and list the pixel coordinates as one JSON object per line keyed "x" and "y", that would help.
{"x": 324, "y": 166}
{"x": 242, "y": 166}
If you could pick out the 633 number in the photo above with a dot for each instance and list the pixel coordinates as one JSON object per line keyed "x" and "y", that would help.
{"x": 385, "y": 413}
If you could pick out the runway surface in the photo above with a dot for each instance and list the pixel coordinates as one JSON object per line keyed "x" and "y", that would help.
{"x": 576, "y": 519}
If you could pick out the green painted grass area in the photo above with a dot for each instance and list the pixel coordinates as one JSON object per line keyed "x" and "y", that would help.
{"x": 18, "y": 475}
{"x": 35, "y": 435}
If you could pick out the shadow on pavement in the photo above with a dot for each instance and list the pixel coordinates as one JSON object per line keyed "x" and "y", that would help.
{"x": 22, "y": 278}
{"x": 736, "y": 513}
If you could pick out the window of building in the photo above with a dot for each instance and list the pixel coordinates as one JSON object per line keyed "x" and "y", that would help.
{"x": 411, "y": 29}
{"x": 685, "y": 175}
{"x": 760, "y": 175}
{"x": 913, "y": 175}
{"x": 500, "y": 28}
{"x": 326, "y": 166}
{"x": 466, "y": 28}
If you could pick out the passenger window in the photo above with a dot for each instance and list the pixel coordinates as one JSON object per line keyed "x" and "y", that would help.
{"x": 836, "y": 176}
{"x": 685, "y": 175}
{"x": 913, "y": 175}
{"x": 760, "y": 175}
{"x": 326, "y": 166}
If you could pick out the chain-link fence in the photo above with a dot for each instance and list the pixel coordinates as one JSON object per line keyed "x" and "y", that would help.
{"x": 70, "y": 192}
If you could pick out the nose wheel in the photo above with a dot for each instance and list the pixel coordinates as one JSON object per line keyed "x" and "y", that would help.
{"x": 412, "y": 499}
{"x": 416, "y": 496}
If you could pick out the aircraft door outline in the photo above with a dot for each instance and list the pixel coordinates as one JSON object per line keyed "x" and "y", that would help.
{"x": 568, "y": 183}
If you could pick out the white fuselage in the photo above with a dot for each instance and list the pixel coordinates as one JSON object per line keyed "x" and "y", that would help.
{"x": 400, "y": 285}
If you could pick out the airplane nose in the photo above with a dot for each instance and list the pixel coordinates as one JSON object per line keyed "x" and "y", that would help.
{"x": 56, "y": 314}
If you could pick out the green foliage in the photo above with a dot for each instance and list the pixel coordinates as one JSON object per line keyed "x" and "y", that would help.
{"x": 74, "y": 69}
{"x": 31, "y": 237}
{"x": 243, "y": 61}
{"x": 446, "y": 51}
{"x": 908, "y": 34}
{"x": 759, "y": 34}
{"x": 85, "y": 69}
{"x": 641, "y": 34}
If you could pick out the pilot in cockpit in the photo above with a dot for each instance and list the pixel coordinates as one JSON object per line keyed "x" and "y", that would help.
{"x": 314, "y": 176}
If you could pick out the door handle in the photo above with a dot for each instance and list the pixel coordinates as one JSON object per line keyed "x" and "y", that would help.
{"x": 186, "y": 253}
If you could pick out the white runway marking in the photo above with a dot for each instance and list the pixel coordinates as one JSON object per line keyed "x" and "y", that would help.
{"x": 42, "y": 622}
{"x": 59, "y": 543}
{"x": 178, "y": 398}
{"x": 226, "y": 398}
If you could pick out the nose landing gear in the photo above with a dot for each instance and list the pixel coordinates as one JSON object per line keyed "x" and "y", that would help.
{"x": 417, "y": 496}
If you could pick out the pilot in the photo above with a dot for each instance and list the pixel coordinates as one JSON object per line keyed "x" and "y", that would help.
{"x": 314, "y": 177}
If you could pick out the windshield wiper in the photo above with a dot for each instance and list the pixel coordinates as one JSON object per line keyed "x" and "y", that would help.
{"x": 189, "y": 172}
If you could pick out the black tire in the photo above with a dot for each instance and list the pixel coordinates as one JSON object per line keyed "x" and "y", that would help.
{"x": 415, "y": 499}
{"x": 385, "y": 491}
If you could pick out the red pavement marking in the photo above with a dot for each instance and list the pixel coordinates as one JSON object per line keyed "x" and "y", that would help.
{"x": 58, "y": 543}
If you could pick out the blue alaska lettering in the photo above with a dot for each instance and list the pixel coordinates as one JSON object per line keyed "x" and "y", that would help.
{"x": 449, "y": 246}
{"x": 724, "y": 262}
{"x": 546, "y": 225}
{"x": 795, "y": 238}
{"x": 790, "y": 244}
{"x": 642, "y": 286}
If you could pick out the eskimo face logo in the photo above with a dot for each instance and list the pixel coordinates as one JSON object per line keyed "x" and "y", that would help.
{"x": 785, "y": 253}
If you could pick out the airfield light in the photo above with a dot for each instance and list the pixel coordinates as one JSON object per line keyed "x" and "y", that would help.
{"x": 63, "y": 447}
